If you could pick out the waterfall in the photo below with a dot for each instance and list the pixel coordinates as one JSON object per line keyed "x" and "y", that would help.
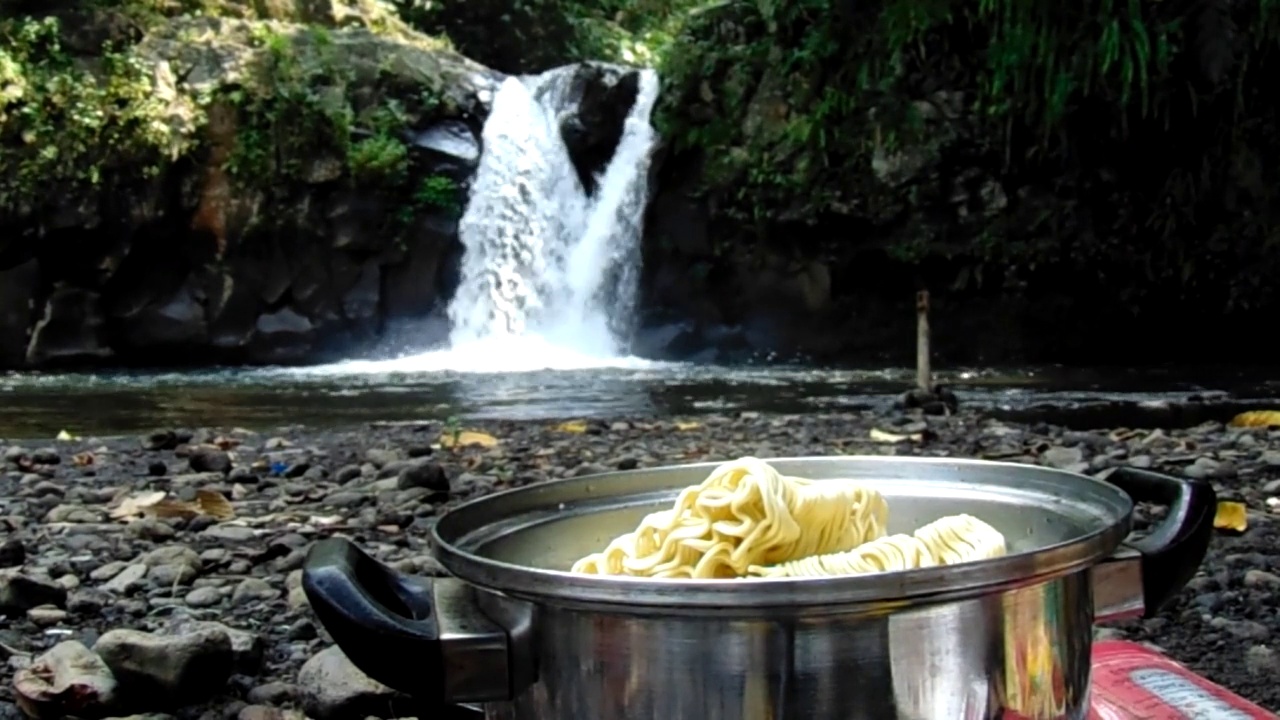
{"x": 550, "y": 271}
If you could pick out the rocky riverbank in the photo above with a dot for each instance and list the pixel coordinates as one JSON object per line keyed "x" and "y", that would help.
{"x": 160, "y": 574}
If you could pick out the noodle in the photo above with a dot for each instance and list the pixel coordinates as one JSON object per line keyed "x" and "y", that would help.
{"x": 947, "y": 541}
{"x": 747, "y": 519}
{"x": 745, "y": 513}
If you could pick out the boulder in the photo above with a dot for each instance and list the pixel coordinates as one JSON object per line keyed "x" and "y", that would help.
{"x": 211, "y": 258}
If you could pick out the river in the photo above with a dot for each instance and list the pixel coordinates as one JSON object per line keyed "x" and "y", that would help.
{"x": 104, "y": 403}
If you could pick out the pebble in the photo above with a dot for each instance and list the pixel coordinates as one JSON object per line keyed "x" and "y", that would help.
{"x": 202, "y": 615}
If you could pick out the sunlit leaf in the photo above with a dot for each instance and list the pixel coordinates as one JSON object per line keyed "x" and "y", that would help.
{"x": 1231, "y": 516}
{"x": 575, "y": 427}
{"x": 467, "y": 437}
{"x": 1257, "y": 418}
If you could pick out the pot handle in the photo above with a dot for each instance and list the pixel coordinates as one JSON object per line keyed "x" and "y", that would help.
{"x": 1172, "y": 552}
{"x": 391, "y": 626}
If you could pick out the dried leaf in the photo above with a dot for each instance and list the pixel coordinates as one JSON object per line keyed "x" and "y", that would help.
{"x": 575, "y": 427}
{"x": 1257, "y": 418}
{"x": 1231, "y": 516}
{"x": 172, "y": 508}
{"x": 226, "y": 443}
{"x": 69, "y": 679}
{"x": 83, "y": 459}
{"x": 213, "y": 504}
{"x": 65, "y": 436}
{"x": 881, "y": 436}
{"x": 687, "y": 425}
{"x": 467, "y": 437}
{"x": 135, "y": 506}
{"x": 158, "y": 505}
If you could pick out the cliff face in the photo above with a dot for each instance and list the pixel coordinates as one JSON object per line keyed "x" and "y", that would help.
{"x": 1076, "y": 182}
{"x": 229, "y": 187}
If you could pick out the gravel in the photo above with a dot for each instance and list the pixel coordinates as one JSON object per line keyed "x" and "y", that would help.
{"x": 160, "y": 575}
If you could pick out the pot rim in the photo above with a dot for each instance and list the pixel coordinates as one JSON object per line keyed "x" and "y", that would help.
{"x": 949, "y": 582}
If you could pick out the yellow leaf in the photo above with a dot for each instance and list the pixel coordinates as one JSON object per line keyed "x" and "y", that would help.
{"x": 1257, "y": 418}
{"x": 690, "y": 425}
{"x": 576, "y": 427}
{"x": 65, "y": 436}
{"x": 468, "y": 437}
{"x": 1231, "y": 516}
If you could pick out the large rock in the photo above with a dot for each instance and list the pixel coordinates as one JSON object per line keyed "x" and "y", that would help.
{"x": 214, "y": 258}
{"x": 594, "y": 100}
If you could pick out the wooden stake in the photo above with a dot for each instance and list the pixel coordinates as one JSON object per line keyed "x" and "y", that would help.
{"x": 924, "y": 373}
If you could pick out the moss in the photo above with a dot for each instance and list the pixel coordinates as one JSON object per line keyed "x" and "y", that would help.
{"x": 307, "y": 103}
{"x": 66, "y": 125}
{"x": 438, "y": 192}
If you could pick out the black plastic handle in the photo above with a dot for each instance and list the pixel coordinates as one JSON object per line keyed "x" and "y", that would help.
{"x": 1172, "y": 553}
{"x": 382, "y": 619}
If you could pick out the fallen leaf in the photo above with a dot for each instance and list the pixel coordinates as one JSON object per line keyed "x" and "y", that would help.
{"x": 135, "y": 506}
{"x": 576, "y": 427}
{"x": 67, "y": 680}
{"x": 65, "y": 436}
{"x": 467, "y": 437}
{"x": 1257, "y": 418}
{"x": 689, "y": 425}
{"x": 213, "y": 504}
{"x": 1231, "y": 516}
{"x": 83, "y": 459}
{"x": 159, "y": 505}
{"x": 878, "y": 435}
{"x": 226, "y": 443}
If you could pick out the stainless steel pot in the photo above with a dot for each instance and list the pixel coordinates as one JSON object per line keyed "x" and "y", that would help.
{"x": 1004, "y": 638}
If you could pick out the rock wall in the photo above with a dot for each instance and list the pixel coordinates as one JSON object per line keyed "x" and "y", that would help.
{"x": 803, "y": 199}
{"x": 308, "y": 197}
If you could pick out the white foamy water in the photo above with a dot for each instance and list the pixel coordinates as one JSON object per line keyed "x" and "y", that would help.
{"x": 550, "y": 274}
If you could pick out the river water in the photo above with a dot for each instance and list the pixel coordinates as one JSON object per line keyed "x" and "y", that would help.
{"x": 42, "y": 404}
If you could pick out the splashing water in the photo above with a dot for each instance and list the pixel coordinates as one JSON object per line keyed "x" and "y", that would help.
{"x": 550, "y": 274}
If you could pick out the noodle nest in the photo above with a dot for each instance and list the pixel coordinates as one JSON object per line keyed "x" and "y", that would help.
{"x": 748, "y": 520}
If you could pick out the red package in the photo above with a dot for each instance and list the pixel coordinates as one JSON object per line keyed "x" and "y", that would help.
{"x": 1133, "y": 682}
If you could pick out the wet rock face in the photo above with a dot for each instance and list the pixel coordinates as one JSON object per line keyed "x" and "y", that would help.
{"x": 604, "y": 95}
{"x": 595, "y": 99}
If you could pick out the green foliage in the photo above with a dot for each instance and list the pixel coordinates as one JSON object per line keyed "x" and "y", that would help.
{"x": 1132, "y": 131}
{"x": 518, "y": 36}
{"x": 439, "y": 192}
{"x": 65, "y": 125}
{"x": 303, "y": 110}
